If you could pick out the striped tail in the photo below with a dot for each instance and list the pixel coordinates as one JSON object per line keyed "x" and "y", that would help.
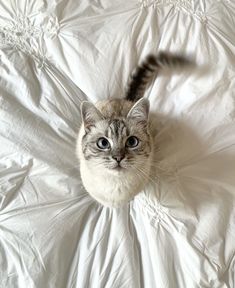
{"x": 149, "y": 68}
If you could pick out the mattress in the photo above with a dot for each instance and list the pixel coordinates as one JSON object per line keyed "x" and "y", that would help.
{"x": 178, "y": 232}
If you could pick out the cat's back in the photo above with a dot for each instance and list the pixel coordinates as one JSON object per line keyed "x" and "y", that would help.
{"x": 114, "y": 108}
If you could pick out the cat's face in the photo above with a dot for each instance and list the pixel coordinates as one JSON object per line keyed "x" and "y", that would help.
{"x": 118, "y": 145}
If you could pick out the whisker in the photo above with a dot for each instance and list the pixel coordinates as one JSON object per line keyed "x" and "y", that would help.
{"x": 140, "y": 177}
{"x": 140, "y": 174}
{"x": 138, "y": 162}
{"x": 145, "y": 175}
{"x": 154, "y": 164}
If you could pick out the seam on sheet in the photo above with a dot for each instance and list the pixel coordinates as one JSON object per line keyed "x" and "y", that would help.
{"x": 20, "y": 35}
{"x": 186, "y": 6}
{"x": 156, "y": 212}
{"x": 23, "y": 35}
{"x": 52, "y": 26}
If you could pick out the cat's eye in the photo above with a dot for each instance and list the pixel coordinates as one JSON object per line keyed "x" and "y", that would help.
{"x": 132, "y": 142}
{"x": 103, "y": 143}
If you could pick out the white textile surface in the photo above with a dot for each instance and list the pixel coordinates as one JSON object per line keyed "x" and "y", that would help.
{"x": 180, "y": 232}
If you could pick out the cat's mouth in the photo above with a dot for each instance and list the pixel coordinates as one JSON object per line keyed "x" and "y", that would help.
{"x": 117, "y": 167}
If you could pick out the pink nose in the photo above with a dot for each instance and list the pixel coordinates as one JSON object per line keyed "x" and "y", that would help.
{"x": 118, "y": 158}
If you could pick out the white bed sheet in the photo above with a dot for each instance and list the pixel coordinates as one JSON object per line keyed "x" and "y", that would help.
{"x": 180, "y": 232}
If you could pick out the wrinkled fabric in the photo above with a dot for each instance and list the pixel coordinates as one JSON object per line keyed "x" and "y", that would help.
{"x": 180, "y": 231}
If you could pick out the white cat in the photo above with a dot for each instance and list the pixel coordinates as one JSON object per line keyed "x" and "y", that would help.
{"x": 115, "y": 143}
{"x": 115, "y": 152}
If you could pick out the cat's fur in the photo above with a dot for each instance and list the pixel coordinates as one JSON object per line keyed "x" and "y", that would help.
{"x": 107, "y": 179}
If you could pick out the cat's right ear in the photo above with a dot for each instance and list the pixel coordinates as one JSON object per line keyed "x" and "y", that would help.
{"x": 90, "y": 115}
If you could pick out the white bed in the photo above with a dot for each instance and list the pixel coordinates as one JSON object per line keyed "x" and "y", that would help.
{"x": 178, "y": 233}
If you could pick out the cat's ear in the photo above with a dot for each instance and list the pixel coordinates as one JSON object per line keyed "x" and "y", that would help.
{"x": 90, "y": 114}
{"x": 140, "y": 110}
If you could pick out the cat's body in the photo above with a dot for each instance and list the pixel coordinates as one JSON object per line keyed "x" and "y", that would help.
{"x": 115, "y": 144}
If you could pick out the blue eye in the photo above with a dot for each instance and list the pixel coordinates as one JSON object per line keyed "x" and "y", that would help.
{"x": 103, "y": 143}
{"x": 132, "y": 142}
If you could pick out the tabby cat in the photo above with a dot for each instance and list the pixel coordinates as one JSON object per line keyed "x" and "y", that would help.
{"x": 115, "y": 143}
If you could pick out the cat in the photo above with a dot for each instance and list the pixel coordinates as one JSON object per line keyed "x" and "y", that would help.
{"x": 115, "y": 143}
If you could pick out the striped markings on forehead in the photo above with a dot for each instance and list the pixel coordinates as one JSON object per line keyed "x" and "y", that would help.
{"x": 116, "y": 129}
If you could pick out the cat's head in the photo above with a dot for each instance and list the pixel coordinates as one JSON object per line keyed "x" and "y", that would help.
{"x": 118, "y": 144}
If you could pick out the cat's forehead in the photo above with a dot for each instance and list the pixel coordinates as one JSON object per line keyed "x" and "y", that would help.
{"x": 116, "y": 127}
{"x": 113, "y": 127}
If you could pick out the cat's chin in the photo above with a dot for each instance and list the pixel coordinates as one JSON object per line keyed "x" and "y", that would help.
{"x": 116, "y": 170}
{"x": 112, "y": 187}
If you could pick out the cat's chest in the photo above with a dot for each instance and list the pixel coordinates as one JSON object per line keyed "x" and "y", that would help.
{"x": 108, "y": 181}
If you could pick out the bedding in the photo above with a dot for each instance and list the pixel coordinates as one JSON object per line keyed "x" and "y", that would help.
{"x": 180, "y": 232}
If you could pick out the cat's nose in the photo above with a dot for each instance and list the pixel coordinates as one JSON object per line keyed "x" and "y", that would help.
{"x": 118, "y": 158}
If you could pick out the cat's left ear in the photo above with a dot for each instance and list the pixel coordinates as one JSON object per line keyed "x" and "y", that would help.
{"x": 140, "y": 110}
{"x": 90, "y": 114}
